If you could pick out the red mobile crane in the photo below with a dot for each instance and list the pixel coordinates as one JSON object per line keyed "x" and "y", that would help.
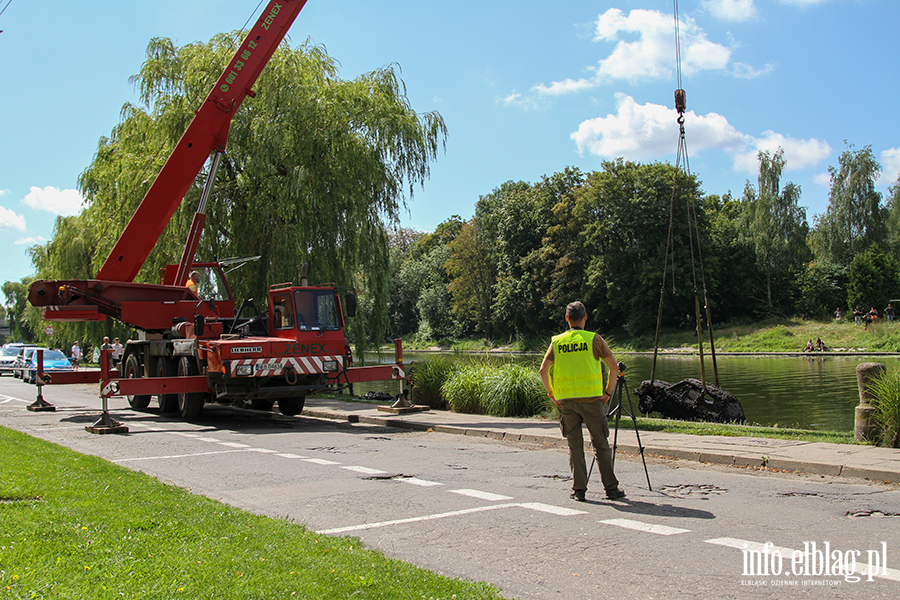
{"x": 195, "y": 348}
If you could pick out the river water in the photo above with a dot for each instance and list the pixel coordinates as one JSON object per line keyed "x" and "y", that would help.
{"x": 812, "y": 391}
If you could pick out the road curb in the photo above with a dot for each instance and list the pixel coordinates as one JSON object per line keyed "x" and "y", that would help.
{"x": 703, "y": 456}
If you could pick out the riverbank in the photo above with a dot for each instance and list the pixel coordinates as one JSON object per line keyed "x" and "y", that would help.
{"x": 788, "y": 336}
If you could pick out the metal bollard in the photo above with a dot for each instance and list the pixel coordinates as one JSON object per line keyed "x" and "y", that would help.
{"x": 864, "y": 428}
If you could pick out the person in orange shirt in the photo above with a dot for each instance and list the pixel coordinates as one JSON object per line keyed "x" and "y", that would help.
{"x": 192, "y": 281}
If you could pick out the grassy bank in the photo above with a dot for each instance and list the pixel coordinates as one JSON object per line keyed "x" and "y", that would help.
{"x": 782, "y": 335}
{"x": 758, "y": 431}
{"x": 77, "y": 527}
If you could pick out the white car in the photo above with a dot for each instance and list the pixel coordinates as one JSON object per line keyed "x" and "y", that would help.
{"x": 7, "y": 359}
{"x": 23, "y": 353}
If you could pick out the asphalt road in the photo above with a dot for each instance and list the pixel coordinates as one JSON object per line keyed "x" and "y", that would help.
{"x": 499, "y": 511}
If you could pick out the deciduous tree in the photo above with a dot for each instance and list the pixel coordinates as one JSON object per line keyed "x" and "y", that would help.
{"x": 316, "y": 167}
{"x": 774, "y": 224}
{"x": 854, "y": 219}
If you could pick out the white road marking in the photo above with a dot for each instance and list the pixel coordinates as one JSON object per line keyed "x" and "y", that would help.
{"x": 454, "y": 513}
{"x": 419, "y": 482}
{"x": 289, "y": 455}
{"x": 881, "y": 571}
{"x": 648, "y": 527}
{"x": 751, "y": 546}
{"x": 234, "y": 445}
{"x": 366, "y": 470}
{"x": 175, "y": 456}
{"x": 557, "y": 510}
{"x": 553, "y": 510}
{"x": 263, "y": 450}
{"x": 481, "y": 495}
{"x": 8, "y": 398}
{"x": 320, "y": 461}
{"x": 208, "y": 439}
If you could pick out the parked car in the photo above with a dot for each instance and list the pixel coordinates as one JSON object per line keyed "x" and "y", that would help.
{"x": 54, "y": 360}
{"x": 7, "y": 359}
{"x": 21, "y": 357}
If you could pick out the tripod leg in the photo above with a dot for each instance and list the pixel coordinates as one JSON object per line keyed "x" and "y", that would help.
{"x": 617, "y": 393}
{"x": 638, "y": 435}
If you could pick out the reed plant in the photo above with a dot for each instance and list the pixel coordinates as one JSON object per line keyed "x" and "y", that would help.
{"x": 514, "y": 390}
{"x": 885, "y": 390}
{"x": 464, "y": 388}
{"x": 428, "y": 376}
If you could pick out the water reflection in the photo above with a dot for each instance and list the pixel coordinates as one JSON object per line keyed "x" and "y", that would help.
{"x": 811, "y": 392}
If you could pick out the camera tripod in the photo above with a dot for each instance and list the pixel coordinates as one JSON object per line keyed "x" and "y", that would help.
{"x": 616, "y": 407}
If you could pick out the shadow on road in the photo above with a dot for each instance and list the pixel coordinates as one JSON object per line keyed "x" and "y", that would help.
{"x": 661, "y": 510}
{"x": 237, "y": 420}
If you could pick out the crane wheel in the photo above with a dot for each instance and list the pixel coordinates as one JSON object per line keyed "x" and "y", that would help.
{"x": 166, "y": 367}
{"x": 291, "y": 406}
{"x": 133, "y": 370}
{"x": 261, "y": 404}
{"x": 190, "y": 404}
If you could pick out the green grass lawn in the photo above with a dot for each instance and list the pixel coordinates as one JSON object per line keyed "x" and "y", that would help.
{"x": 76, "y": 526}
{"x": 758, "y": 431}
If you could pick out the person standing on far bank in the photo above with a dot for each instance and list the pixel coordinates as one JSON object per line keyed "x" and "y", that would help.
{"x": 576, "y": 386}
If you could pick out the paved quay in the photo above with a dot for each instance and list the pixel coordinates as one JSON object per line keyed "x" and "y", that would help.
{"x": 838, "y": 460}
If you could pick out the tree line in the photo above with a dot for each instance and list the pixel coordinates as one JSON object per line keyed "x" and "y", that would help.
{"x": 318, "y": 169}
{"x": 507, "y": 272}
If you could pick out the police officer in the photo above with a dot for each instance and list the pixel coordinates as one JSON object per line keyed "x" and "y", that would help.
{"x": 576, "y": 386}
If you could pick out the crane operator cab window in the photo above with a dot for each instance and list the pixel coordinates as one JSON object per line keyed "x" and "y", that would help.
{"x": 316, "y": 310}
{"x": 211, "y": 284}
{"x": 283, "y": 311}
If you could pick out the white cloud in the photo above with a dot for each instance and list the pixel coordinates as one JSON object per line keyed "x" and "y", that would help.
{"x": 30, "y": 241}
{"x": 799, "y": 154}
{"x": 641, "y": 132}
{"x": 10, "y": 220}
{"x": 649, "y": 131}
{"x": 731, "y": 10}
{"x": 3, "y": 193}
{"x": 823, "y": 179}
{"x": 744, "y": 71}
{"x": 890, "y": 166}
{"x": 652, "y": 55}
{"x": 59, "y": 202}
{"x": 523, "y": 101}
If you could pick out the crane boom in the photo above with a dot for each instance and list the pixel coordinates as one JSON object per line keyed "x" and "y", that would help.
{"x": 207, "y": 132}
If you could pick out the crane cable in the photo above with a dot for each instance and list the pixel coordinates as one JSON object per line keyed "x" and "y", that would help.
{"x": 693, "y": 232}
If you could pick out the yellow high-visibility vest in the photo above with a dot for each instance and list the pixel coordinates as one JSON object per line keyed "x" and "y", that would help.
{"x": 576, "y": 373}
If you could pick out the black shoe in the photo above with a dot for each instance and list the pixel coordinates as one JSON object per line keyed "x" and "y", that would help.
{"x": 614, "y": 493}
{"x": 577, "y": 495}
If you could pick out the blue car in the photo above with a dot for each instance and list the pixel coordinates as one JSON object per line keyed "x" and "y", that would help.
{"x": 54, "y": 360}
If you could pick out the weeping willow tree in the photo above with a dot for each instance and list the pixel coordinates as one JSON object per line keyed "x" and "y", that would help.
{"x": 317, "y": 167}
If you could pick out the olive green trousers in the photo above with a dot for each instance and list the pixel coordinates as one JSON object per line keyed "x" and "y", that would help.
{"x": 593, "y": 415}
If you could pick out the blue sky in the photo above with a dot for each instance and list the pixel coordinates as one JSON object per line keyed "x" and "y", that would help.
{"x": 526, "y": 88}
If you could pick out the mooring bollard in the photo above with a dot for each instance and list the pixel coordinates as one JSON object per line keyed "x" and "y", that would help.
{"x": 864, "y": 429}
